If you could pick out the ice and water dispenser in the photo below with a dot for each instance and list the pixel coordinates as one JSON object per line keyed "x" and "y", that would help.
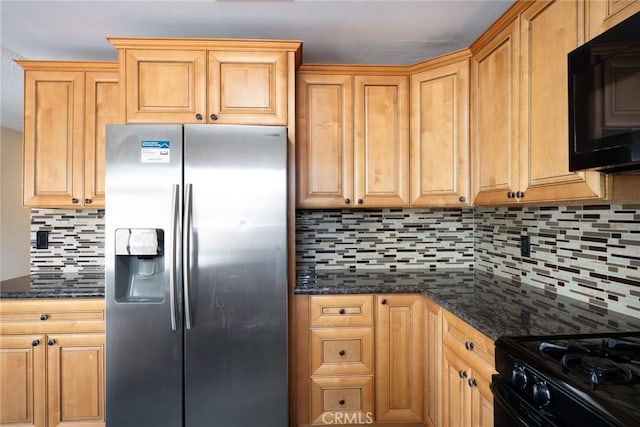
{"x": 140, "y": 265}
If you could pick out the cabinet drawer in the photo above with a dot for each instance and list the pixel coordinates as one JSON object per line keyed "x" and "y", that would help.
{"x": 341, "y": 351}
{"x": 45, "y": 316}
{"x": 341, "y": 310}
{"x": 470, "y": 344}
{"x": 333, "y": 398}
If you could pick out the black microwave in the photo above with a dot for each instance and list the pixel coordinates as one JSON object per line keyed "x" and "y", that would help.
{"x": 604, "y": 100}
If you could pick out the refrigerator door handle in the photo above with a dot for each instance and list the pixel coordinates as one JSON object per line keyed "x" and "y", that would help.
{"x": 186, "y": 254}
{"x": 175, "y": 211}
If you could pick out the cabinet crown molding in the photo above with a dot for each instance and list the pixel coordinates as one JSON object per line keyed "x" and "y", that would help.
{"x": 37, "y": 65}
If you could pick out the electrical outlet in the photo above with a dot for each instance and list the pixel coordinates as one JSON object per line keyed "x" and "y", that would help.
{"x": 525, "y": 246}
{"x": 42, "y": 240}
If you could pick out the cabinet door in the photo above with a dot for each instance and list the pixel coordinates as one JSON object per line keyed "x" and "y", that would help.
{"x": 53, "y": 133}
{"x": 440, "y": 136}
{"x": 456, "y": 396}
{"x": 494, "y": 118}
{"x": 324, "y": 119}
{"x": 549, "y": 31}
{"x": 22, "y": 380}
{"x": 399, "y": 368}
{"x": 165, "y": 86}
{"x": 381, "y": 140}
{"x": 102, "y": 108}
{"x": 432, "y": 363}
{"x": 481, "y": 402}
{"x": 247, "y": 87}
{"x": 604, "y": 14}
{"x": 75, "y": 379}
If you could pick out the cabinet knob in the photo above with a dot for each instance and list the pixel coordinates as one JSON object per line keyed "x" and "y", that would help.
{"x": 360, "y": 201}
{"x": 213, "y": 117}
{"x": 384, "y": 301}
{"x": 347, "y": 201}
{"x": 87, "y": 201}
{"x": 74, "y": 200}
{"x": 342, "y": 352}
{"x": 198, "y": 116}
{"x": 35, "y": 343}
{"x": 342, "y": 311}
{"x": 462, "y": 374}
{"x": 341, "y": 401}
{"x": 472, "y": 382}
{"x": 462, "y": 199}
{"x": 468, "y": 345}
{"x": 520, "y": 194}
{"x": 44, "y": 316}
{"x": 510, "y": 195}
{"x": 51, "y": 341}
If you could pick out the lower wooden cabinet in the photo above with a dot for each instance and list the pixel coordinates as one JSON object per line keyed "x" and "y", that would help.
{"x": 52, "y": 363}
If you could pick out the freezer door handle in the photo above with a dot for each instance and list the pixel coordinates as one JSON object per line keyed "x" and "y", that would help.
{"x": 186, "y": 254}
{"x": 175, "y": 211}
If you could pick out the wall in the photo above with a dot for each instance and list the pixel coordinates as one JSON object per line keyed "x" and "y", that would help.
{"x": 384, "y": 238}
{"x": 14, "y": 219}
{"x": 590, "y": 252}
{"x": 76, "y": 240}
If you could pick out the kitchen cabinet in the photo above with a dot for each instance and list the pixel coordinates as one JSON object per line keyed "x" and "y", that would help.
{"x": 342, "y": 358}
{"x": 399, "y": 368}
{"x": 52, "y": 352}
{"x": 467, "y": 366}
{"x": 324, "y": 120}
{"x": 440, "y": 133}
{"x": 604, "y": 14}
{"x": 549, "y": 30}
{"x": 494, "y": 118}
{"x": 432, "y": 350}
{"x": 206, "y": 80}
{"x": 66, "y": 108}
{"x": 353, "y": 132}
{"x": 519, "y": 108}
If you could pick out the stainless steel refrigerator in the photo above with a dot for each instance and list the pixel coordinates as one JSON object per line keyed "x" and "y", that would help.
{"x": 196, "y": 276}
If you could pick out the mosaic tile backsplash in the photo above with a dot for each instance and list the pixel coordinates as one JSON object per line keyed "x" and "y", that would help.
{"x": 587, "y": 252}
{"x": 590, "y": 253}
{"x": 76, "y": 240}
{"x": 384, "y": 238}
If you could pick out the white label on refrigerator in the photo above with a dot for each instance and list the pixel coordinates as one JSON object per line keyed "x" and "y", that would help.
{"x": 155, "y": 151}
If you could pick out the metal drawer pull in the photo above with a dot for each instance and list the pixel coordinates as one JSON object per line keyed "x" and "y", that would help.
{"x": 342, "y": 311}
{"x": 472, "y": 382}
{"x": 462, "y": 374}
{"x": 342, "y": 352}
{"x": 341, "y": 401}
{"x": 468, "y": 345}
{"x": 44, "y": 316}
{"x": 51, "y": 341}
{"x": 35, "y": 342}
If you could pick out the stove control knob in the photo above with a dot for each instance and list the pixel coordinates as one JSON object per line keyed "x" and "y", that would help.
{"x": 519, "y": 378}
{"x": 541, "y": 394}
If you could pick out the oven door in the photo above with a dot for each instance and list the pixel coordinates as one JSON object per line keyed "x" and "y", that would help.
{"x": 511, "y": 410}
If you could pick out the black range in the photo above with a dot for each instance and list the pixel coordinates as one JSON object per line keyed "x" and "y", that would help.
{"x": 568, "y": 380}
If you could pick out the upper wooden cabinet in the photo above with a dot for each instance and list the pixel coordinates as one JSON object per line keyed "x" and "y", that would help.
{"x": 549, "y": 30}
{"x": 66, "y": 108}
{"x": 440, "y": 133}
{"x": 519, "y": 107}
{"x": 353, "y": 138}
{"x": 206, "y": 80}
{"x": 494, "y": 118}
{"x": 324, "y": 120}
{"x": 604, "y": 14}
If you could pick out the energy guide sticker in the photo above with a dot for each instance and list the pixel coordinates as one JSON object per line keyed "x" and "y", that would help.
{"x": 155, "y": 151}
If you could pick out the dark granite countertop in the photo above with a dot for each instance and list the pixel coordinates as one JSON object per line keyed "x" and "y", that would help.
{"x": 493, "y": 305}
{"x": 54, "y": 285}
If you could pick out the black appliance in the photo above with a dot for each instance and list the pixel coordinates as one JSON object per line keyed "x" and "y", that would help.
{"x": 552, "y": 381}
{"x": 604, "y": 100}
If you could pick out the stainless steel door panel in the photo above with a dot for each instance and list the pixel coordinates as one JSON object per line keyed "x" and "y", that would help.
{"x": 143, "y": 355}
{"x": 236, "y": 349}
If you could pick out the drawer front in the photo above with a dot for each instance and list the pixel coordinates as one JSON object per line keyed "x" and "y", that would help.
{"x": 341, "y": 310}
{"x": 346, "y": 351}
{"x": 335, "y": 400}
{"x": 469, "y": 343}
{"x": 46, "y": 316}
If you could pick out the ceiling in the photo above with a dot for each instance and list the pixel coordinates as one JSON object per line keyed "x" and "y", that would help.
{"x": 333, "y": 32}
